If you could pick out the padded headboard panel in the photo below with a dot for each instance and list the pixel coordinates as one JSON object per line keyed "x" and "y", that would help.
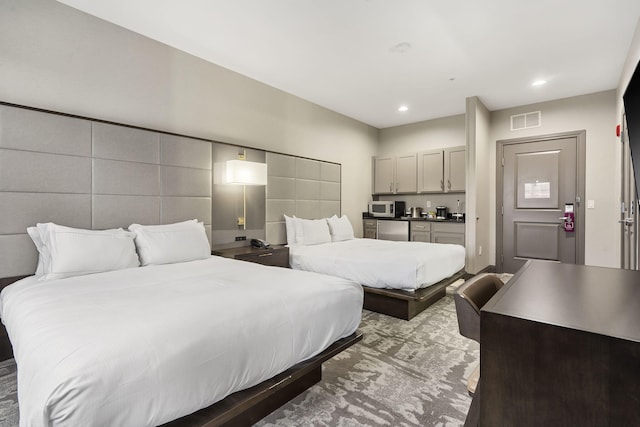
{"x": 90, "y": 174}
{"x": 302, "y": 187}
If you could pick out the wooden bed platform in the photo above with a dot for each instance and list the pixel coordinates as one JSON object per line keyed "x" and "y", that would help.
{"x": 405, "y": 304}
{"x": 245, "y": 407}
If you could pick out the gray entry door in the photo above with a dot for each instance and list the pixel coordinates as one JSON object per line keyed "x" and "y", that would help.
{"x": 539, "y": 180}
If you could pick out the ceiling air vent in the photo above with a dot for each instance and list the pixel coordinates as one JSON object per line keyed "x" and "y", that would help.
{"x": 526, "y": 120}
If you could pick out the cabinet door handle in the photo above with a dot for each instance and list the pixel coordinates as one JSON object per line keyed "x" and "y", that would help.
{"x": 396, "y": 187}
{"x": 449, "y": 183}
{"x": 267, "y": 254}
{"x": 442, "y": 184}
{"x": 391, "y": 186}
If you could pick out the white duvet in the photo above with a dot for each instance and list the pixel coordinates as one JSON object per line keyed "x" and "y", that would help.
{"x": 381, "y": 263}
{"x": 143, "y": 346}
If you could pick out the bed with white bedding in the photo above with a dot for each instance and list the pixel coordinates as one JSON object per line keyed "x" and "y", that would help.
{"x": 381, "y": 263}
{"x": 400, "y": 279}
{"x": 143, "y": 346}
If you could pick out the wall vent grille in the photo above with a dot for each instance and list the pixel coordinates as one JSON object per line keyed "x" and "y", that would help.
{"x": 526, "y": 120}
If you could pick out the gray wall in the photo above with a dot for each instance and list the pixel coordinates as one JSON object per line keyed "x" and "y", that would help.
{"x": 57, "y": 58}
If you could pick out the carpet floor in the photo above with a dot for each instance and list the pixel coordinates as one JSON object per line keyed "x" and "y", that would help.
{"x": 401, "y": 374}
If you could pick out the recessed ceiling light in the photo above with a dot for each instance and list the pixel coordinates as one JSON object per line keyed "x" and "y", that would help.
{"x": 539, "y": 83}
{"x": 403, "y": 108}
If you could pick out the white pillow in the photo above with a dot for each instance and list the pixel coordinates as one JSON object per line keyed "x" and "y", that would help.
{"x": 312, "y": 231}
{"x": 289, "y": 223}
{"x": 340, "y": 228}
{"x": 171, "y": 243}
{"x": 35, "y": 236}
{"x": 68, "y": 252}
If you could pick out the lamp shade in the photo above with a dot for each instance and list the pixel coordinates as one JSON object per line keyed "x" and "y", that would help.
{"x": 242, "y": 172}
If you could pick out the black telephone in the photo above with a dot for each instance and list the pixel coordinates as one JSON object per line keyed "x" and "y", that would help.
{"x": 259, "y": 243}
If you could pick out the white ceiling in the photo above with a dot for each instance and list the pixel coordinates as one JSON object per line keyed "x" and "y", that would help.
{"x": 364, "y": 58}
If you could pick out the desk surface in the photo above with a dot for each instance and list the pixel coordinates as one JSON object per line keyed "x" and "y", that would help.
{"x": 599, "y": 300}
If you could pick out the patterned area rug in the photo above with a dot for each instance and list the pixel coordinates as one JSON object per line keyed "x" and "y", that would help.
{"x": 401, "y": 374}
{"x": 8, "y": 394}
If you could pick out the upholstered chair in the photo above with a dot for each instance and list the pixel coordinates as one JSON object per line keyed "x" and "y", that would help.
{"x": 469, "y": 298}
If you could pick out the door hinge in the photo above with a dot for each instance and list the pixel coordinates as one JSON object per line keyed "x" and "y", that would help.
{"x": 502, "y": 210}
{"x": 503, "y": 161}
{"x": 502, "y": 259}
{"x": 578, "y": 200}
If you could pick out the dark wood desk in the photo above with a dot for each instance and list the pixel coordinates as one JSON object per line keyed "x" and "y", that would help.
{"x": 560, "y": 346}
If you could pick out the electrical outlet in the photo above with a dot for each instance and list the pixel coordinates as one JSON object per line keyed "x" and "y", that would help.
{"x": 240, "y": 238}
{"x": 428, "y": 203}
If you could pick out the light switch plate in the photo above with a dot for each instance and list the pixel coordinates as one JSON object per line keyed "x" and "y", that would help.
{"x": 591, "y": 204}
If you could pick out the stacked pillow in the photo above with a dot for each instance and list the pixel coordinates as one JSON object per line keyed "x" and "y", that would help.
{"x": 315, "y": 231}
{"x": 66, "y": 252}
{"x": 171, "y": 243}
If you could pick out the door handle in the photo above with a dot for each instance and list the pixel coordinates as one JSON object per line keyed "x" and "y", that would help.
{"x": 442, "y": 184}
{"x": 626, "y": 221}
{"x": 564, "y": 218}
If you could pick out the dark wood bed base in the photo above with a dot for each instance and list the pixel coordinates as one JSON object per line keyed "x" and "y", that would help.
{"x": 404, "y": 304}
{"x": 245, "y": 407}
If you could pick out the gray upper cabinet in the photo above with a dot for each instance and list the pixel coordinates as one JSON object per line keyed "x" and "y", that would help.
{"x": 454, "y": 169}
{"x": 395, "y": 174}
{"x": 430, "y": 171}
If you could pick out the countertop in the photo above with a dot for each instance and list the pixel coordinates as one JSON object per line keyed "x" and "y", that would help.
{"x": 408, "y": 218}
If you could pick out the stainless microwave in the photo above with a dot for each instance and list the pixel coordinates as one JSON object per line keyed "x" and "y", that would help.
{"x": 386, "y": 209}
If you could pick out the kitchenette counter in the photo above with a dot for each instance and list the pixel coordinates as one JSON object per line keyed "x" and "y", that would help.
{"x": 365, "y": 215}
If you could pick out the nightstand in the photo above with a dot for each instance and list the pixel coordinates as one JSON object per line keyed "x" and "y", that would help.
{"x": 276, "y": 255}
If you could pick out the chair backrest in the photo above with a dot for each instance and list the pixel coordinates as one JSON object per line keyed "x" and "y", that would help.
{"x": 470, "y": 298}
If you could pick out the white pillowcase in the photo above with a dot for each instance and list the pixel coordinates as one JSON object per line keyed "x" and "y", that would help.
{"x": 68, "y": 252}
{"x": 171, "y": 243}
{"x": 340, "y": 228}
{"x": 290, "y": 226}
{"x": 35, "y": 236}
{"x": 312, "y": 231}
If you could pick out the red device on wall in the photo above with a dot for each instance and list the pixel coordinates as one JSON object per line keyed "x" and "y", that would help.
{"x": 569, "y": 218}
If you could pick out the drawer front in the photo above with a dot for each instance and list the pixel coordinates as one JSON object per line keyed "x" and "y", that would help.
{"x": 279, "y": 258}
{"x": 421, "y": 226}
{"x": 448, "y": 227}
{"x": 420, "y": 236}
{"x": 370, "y": 223}
{"x": 370, "y": 233}
{"x": 450, "y": 238}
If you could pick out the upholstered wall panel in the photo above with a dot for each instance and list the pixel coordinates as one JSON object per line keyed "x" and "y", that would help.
{"x": 176, "y": 209}
{"x": 28, "y": 171}
{"x": 47, "y": 133}
{"x": 125, "y": 178}
{"x": 307, "y": 189}
{"x": 21, "y": 210}
{"x": 329, "y": 172}
{"x": 113, "y": 211}
{"x": 329, "y": 208}
{"x": 89, "y": 174}
{"x": 302, "y": 187}
{"x": 178, "y": 181}
{"x": 276, "y": 208}
{"x": 307, "y": 169}
{"x": 18, "y": 255}
{"x": 186, "y": 152}
{"x": 280, "y": 187}
{"x": 122, "y": 143}
{"x": 329, "y": 190}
